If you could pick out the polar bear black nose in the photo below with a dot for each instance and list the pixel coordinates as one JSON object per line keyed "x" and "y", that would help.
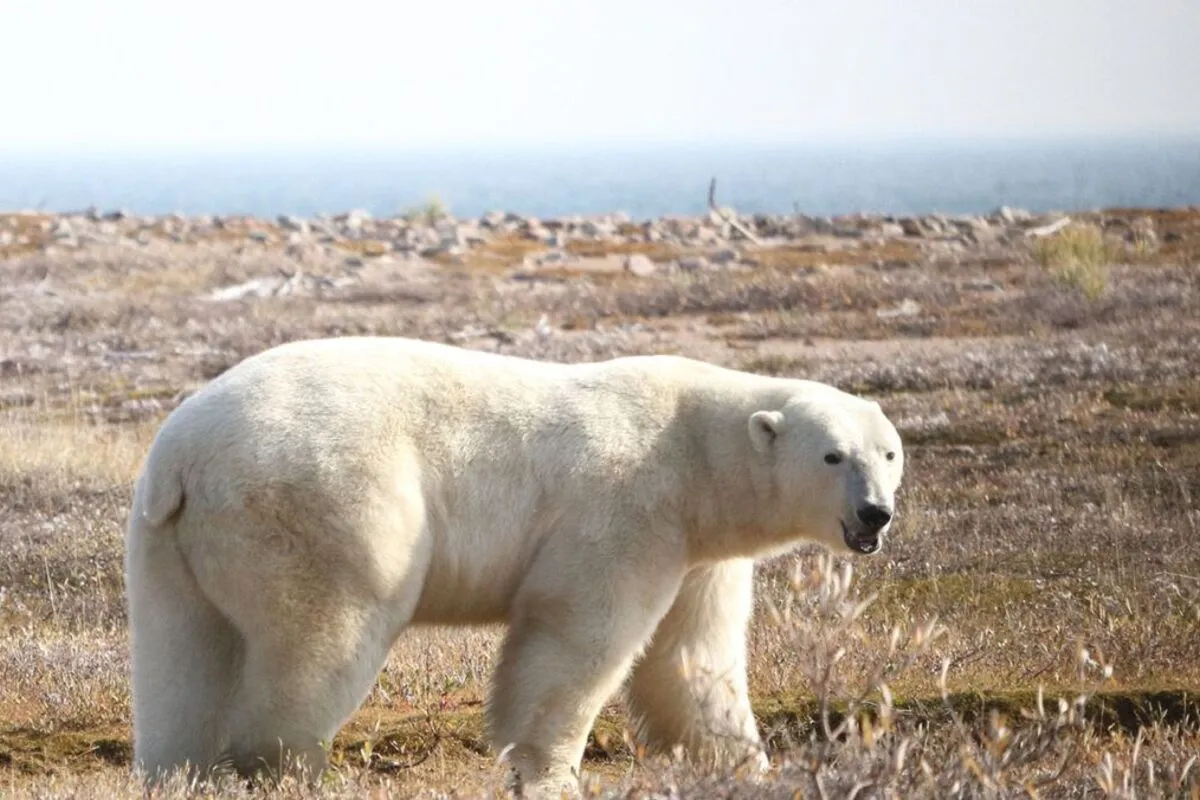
{"x": 875, "y": 517}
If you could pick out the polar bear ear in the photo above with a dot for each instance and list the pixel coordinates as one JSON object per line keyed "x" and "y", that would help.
{"x": 765, "y": 426}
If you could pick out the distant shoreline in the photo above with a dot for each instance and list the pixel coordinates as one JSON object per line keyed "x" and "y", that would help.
{"x": 645, "y": 182}
{"x": 618, "y": 217}
{"x": 532, "y": 248}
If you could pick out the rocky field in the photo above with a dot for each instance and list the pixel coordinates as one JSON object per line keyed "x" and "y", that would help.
{"x": 1035, "y": 627}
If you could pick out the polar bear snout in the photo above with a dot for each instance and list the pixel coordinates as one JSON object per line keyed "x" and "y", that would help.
{"x": 874, "y": 517}
{"x": 865, "y": 533}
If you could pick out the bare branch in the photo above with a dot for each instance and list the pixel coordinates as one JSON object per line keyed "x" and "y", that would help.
{"x": 733, "y": 223}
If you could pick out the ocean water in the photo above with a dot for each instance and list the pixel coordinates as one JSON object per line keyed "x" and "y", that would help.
{"x": 950, "y": 177}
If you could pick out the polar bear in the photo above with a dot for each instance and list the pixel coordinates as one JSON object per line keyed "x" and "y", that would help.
{"x": 297, "y": 513}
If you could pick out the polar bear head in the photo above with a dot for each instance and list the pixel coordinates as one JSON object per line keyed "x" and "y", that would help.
{"x": 835, "y": 462}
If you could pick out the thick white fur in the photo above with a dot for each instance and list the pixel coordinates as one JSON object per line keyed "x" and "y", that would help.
{"x": 298, "y": 512}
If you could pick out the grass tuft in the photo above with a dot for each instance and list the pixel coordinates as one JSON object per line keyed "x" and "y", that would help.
{"x": 1077, "y": 257}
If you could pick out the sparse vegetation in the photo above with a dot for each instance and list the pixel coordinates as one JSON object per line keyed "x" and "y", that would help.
{"x": 1079, "y": 257}
{"x": 1043, "y": 581}
{"x": 429, "y": 212}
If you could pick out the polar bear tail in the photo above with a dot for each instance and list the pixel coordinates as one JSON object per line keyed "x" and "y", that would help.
{"x": 159, "y": 493}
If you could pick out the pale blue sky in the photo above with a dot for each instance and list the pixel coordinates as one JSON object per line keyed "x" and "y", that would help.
{"x": 233, "y": 73}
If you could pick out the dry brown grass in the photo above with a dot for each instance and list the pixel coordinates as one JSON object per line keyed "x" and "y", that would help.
{"x": 1050, "y": 509}
{"x": 44, "y": 457}
{"x": 1078, "y": 256}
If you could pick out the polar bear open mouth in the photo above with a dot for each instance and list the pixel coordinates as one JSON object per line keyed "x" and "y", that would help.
{"x": 865, "y": 543}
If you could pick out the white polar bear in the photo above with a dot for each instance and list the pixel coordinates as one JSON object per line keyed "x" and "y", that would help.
{"x": 298, "y": 512}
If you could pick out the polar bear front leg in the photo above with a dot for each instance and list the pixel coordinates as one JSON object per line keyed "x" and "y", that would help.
{"x": 690, "y": 687}
{"x": 571, "y": 640}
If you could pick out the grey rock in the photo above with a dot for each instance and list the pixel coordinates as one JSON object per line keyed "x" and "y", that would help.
{"x": 291, "y": 223}
{"x": 259, "y": 287}
{"x": 553, "y": 258}
{"x": 818, "y": 225}
{"x": 725, "y": 256}
{"x": 446, "y": 249}
{"x": 640, "y": 265}
{"x": 693, "y": 264}
{"x": 907, "y": 308}
{"x": 1012, "y": 216}
{"x": 971, "y": 224}
{"x": 597, "y": 228}
{"x": 492, "y": 220}
{"x": 355, "y": 220}
{"x": 911, "y": 226}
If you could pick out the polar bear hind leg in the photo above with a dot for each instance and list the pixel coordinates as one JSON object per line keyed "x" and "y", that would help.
{"x": 185, "y": 656}
{"x": 689, "y": 689}
{"x": 316, "y": 633}
{"x": 276, "y": 641}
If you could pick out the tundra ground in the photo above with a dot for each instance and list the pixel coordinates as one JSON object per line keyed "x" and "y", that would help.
{"x": 1047, "y": 547}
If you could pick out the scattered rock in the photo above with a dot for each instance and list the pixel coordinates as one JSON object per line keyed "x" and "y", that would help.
{"x": 640, "y": 265}
{"x": 290, "y": 223}
{"x": 353, "y": 221}
{"x": 725, "y": 256}
{"x": 597, "y": 229}
{"x": 553, "y": 258}
{"x": 907, "y": 308}
{"x": 297, "y": 283}
{"x": 1012, "y": 216}
{"x": 693, "y": 264}
{"x": 492, "y": 220}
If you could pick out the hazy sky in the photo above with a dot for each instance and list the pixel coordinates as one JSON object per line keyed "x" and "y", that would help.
{"x": 220, "y": 73}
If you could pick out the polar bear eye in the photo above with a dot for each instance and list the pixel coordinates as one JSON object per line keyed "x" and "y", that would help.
{"x": 891, "y": 456}
{"x": 833, "y": 458}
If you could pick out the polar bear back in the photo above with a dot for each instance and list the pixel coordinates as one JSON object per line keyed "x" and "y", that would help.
{"x": 466, "y": 461}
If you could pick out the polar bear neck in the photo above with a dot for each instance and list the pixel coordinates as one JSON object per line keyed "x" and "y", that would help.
{"x": 732, "y": 495}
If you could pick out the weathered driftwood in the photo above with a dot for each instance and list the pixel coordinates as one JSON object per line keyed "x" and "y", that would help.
{"x": 733, "y": 222}
{"x": 1046, "y": 230}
